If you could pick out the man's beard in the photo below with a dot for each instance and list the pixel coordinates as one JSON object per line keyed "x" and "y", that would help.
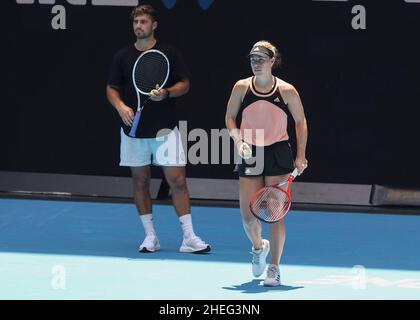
{"x": 143, "y": 35}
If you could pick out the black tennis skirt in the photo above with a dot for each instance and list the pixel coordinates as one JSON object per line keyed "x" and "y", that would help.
{"x": 273, "y": 160}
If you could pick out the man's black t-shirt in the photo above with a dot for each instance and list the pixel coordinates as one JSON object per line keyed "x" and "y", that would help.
{"x": 155, "y": 115}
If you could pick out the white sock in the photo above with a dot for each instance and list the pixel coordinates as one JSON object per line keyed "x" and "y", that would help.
{"x": 147, "y": 220}
{"x": 187, "y": 227}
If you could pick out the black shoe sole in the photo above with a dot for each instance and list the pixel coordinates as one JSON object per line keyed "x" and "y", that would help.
{"x": 205, "y": 250}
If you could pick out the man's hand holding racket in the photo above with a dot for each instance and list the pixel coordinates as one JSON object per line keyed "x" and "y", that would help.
{"x": 126, "y": 114}
{"x": 159, "y": 94}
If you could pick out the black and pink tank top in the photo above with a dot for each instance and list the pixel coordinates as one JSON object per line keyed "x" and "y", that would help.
{"x": 262, "y": 117}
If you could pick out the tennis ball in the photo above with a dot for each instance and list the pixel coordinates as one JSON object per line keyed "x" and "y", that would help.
{"x": 246, "y": 150}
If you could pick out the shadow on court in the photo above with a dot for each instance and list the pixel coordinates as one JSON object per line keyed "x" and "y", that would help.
{"x": 255, "y": 286}
{"x": 105, "y": 229}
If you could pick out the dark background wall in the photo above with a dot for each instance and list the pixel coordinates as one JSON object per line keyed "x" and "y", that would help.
{"x": 359, "y": 87}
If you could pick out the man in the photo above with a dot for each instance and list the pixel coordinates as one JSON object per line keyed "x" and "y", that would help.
{"x": 159, "y": 113}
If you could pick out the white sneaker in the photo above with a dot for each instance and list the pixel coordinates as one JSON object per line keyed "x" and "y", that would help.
{"x": 150, "y": 244}
{"x": 194, "y": 245}
{"x": 273, "y": 276}
{"x": 258, "y": 258}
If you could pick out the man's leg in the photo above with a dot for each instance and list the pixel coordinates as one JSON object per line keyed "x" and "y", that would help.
{"x": 141, "y": 189}
{"x": 143, "y": 201}
{"x": 178, "y": 184}
{"x": 181, "y": 200}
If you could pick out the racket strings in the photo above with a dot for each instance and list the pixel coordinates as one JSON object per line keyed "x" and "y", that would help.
{"x": 271, "y": 204}
{"x": 150, "y": 70}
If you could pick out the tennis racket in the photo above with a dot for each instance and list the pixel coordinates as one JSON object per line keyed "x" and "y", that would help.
{"x": 272, "y": 203}
{"x": 150, "y": 69}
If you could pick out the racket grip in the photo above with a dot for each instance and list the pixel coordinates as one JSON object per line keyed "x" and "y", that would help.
{"x": 135, "y": 124}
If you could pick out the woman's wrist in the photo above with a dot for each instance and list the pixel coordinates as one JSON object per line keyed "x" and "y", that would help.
{"x": 238, "y": 142}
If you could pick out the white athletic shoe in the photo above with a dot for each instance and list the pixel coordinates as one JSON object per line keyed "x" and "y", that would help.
{"x": 150, "y": 244}
{"x": 194, "y": 245}
{"x": 258, "y": 258}
{"x": 273, "y": 276}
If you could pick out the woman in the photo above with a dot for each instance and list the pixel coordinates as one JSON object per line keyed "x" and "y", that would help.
{"x": 259, "y": 105}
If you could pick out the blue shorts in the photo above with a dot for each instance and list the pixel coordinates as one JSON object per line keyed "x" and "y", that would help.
{"x": 166, "y": 150}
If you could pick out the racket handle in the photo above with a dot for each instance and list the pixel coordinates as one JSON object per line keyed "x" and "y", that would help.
{"x": 295, "y": 173}
{"x": 135, "y": 124}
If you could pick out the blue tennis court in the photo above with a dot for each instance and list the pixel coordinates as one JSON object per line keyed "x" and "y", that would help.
{"x": 88, "y": 250}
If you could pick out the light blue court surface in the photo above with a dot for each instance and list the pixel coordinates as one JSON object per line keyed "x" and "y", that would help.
{"x": 80, "y": 250}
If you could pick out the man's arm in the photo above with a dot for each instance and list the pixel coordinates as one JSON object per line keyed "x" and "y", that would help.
{"x": 125, "y": 112}
{"x": 179, "y": 89}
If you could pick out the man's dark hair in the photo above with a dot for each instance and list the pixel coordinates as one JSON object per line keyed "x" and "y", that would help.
{"x": 144, "y": 9}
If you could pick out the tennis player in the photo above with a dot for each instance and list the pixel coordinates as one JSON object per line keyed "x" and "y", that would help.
{"x": 262, "y": 103}
{"x": 141, "y": 152}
